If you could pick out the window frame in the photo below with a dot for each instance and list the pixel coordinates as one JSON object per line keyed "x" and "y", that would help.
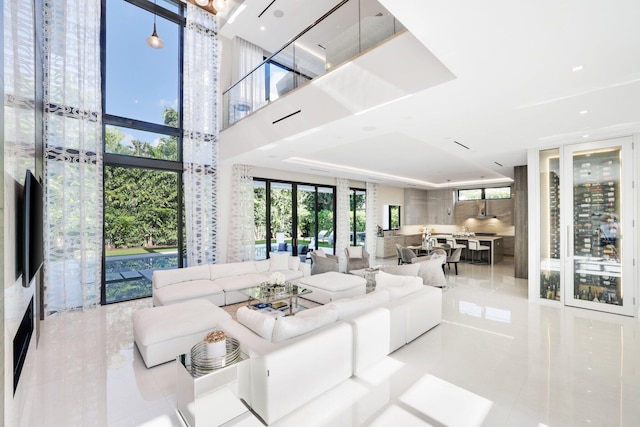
{"x": 120, "y": 160}
{"x": 483, "y": 193}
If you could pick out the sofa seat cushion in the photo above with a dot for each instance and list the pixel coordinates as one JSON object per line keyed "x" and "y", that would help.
{"x": 192, "y": 289}
{"x": 162, "y": 278}
{"x": 333, "y": 281}
{"x": 234, "y": 283}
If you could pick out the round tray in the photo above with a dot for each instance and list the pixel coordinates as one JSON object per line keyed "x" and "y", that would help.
{"x": 201, "y": 364}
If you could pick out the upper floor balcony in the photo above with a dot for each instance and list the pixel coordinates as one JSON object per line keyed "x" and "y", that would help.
{"x": 341, "y": 34}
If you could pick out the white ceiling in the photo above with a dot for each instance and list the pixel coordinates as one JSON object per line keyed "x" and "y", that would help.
{"x": 514, "y": 88}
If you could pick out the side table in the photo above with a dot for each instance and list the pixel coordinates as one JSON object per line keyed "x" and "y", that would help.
{"x": 209, "y": 399}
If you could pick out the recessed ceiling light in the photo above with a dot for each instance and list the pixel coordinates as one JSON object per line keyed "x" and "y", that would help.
{"x": 262, "y": 28}
{"x": 585, "y": 136}
{"x": 577, "y": 68}
{"x": 278, "y": 13}
{"x": 584, "y": 111}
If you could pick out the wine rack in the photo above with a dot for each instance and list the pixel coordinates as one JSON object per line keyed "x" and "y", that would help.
{"x": 595, "y": 244}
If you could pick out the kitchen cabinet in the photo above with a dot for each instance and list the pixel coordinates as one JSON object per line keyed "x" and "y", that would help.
{"x": 386, "y": 246}
{"x": 440, "y": 207}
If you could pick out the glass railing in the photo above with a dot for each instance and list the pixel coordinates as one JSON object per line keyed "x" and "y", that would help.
{"x": 348, "y": 29}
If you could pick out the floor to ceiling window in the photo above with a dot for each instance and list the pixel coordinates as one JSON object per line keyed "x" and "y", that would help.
{"x": 289, "y": 216}
{"x": 142, "y": 96}
{"x": 358, "y": 215}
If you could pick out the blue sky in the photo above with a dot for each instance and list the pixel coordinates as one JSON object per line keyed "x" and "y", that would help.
{"x": 140, "y": 81}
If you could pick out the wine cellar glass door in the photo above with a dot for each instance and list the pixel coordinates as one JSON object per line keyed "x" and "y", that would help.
{"x": 599, "y": 249}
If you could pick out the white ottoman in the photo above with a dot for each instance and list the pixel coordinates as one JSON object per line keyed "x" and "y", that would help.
{"x": 330, "y": 286}
{"x": 164, "y": 332}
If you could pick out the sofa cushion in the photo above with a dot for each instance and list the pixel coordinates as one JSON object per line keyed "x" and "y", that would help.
{"x": 403, "y": 270}
{"x": 262, "y": 265}
{"x": 292, "y": 326}
{"x": 260, "y": 323}
{"x": 320, "y": 253}
{"x": 355, "y": 251}
{"x": 163, "y": 278}
{"x": 192, "y": 289}
{"x": 349, "y": 307}
{"x": 279, "y": 262}
{"x": 386, "y": 280}
{"x": 234, "y": 283}
{"x": 232, "y": 269}
{"x": 282, "y": 247}
{"x": 294, "y": 263}
{"x": 414, "y": 284}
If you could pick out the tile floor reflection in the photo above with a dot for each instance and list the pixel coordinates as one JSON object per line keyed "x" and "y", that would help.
{"x": 496, "y": 360}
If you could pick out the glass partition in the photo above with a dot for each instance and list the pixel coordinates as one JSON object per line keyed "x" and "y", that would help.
{"x": 343, "y": 33}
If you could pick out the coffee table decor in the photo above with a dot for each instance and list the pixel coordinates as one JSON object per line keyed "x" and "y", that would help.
{"x": 202, "y": 364}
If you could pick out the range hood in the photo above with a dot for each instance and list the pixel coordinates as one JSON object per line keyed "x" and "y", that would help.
{"x": 483, "y": 211}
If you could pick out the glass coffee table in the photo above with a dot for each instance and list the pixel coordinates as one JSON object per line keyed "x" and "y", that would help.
{"x": 267, "y": 293}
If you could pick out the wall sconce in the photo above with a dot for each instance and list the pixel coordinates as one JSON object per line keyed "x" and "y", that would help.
{"x": 153, "y": 40}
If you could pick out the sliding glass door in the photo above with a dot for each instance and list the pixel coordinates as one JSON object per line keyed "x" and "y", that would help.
{"x": 292, "y": 217}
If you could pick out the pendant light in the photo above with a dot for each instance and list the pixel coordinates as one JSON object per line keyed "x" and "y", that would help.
{"x": 153, "y": 40}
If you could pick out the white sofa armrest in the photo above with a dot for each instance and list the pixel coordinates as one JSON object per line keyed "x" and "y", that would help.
{"x": 300, "y": 370}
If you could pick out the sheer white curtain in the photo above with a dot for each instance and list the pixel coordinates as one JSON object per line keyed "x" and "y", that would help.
{"x": 241, "y": 236}
{"x": 343, "y": 220}
{"x": 249, "y": 94}
{"x": 73, "y": 154}
{"x": 372, "y": 217}
{"x": 200, "y": 137}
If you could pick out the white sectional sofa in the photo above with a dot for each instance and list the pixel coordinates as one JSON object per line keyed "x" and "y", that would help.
{"x": 219, "y": 283}
{"x": 294, "y": 359}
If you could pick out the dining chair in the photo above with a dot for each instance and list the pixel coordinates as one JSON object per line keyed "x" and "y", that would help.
{"x": 454, "y": 258}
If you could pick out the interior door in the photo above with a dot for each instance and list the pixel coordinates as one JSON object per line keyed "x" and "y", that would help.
{"x": 597, "y": 191}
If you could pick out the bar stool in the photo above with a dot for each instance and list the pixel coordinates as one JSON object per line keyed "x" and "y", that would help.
{"x": 455, "y": 245}
{"x": 475, "y": 246}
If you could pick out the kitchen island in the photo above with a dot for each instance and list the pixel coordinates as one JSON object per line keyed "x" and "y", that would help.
{"x": 495, "y": 243}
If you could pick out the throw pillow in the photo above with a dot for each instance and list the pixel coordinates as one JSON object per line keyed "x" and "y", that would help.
{"x": 292, "y": 326}
{"x": 412, "y": 285}
{"x": 260, "y": 323}
{"x": 279, "y": 262}
{"x": 386, "y": 280}
{"x": 355, "y": 251}
{"x": 294, "y": 263}
{"x": 320, "y": 253}
{"x": 282, "y": 247}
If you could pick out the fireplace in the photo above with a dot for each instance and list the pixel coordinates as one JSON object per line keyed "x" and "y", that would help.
{"x": 21, "y": 344}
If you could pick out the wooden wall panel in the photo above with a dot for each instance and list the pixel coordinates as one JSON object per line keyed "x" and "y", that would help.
{"x": 521, "y": 216}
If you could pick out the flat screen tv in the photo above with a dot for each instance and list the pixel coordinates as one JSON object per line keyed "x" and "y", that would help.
{"x": 33, "y": 250}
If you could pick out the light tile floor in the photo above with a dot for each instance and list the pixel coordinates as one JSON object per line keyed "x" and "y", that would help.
{"x": 496, "y": 360}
